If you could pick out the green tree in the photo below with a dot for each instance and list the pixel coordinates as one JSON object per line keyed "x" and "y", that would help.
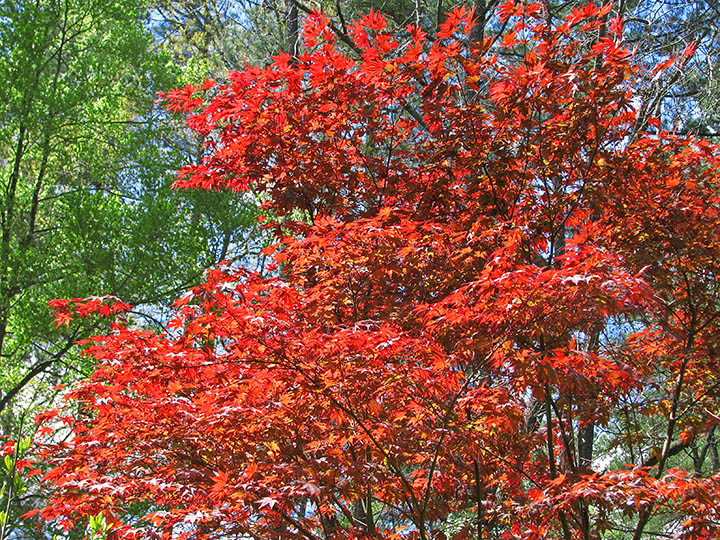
{"x": 86, "y": 161}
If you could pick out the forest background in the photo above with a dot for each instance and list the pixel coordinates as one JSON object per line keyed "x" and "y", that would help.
{"x": 88, "y": 156}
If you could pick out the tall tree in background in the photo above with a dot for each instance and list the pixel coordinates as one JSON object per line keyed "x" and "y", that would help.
{"x": 687, "y": 99}
{"x": 495, "y": 316}
{"x": 201, "y": 41}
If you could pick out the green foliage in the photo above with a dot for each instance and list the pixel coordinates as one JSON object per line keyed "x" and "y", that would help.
{"x": 86, "y": 163}
{"x": 98, "y": 528}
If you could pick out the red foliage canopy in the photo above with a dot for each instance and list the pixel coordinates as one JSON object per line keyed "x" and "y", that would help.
{"x": 484, "y": 271}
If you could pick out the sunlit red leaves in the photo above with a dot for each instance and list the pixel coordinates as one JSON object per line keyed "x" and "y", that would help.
{"x": 459, "y": 19}
{"x": 460, "y": 241}
{"x": 632, "y": 490}
{"x": 105, "y": 306}
{"x": 183, "y": 99}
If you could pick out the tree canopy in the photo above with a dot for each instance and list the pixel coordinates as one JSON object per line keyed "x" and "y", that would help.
{"x": 494, "y": 312}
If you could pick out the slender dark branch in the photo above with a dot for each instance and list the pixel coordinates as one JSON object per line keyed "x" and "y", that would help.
{"x": 551, "y": 454}
{"x": 38, "y": 368}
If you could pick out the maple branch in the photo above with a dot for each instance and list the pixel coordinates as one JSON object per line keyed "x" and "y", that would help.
{"x": 341, "y": 17}
{"x": 149, "y": 318}
{"x": 292, "y": 29}
{"x": 446, "y": 419}
{"x": 416, "y": 115}
{"x": 302, "y": 530}
{"x": 513, "y": 466}
{"x": 551, "y": 454}
{"x": 364, "y": 500}
{"x": 350, "y": 43}
{"x": 672, "y": 419}
{"x": 567, "y": 444}
{"x": 481, "y": 8}
{"x": 393, "y": 466}
{"x": 384, "y": 502}
{"x": 645, "y": 515}
{"x": 710, "y": 442}
{"x": 478, "y": 501}
{"x": 348, "y": 515}
{"x": 653, "y": 533}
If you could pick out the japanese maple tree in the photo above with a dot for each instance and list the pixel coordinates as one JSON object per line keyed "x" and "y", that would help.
{"x": 495, "y": 311}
